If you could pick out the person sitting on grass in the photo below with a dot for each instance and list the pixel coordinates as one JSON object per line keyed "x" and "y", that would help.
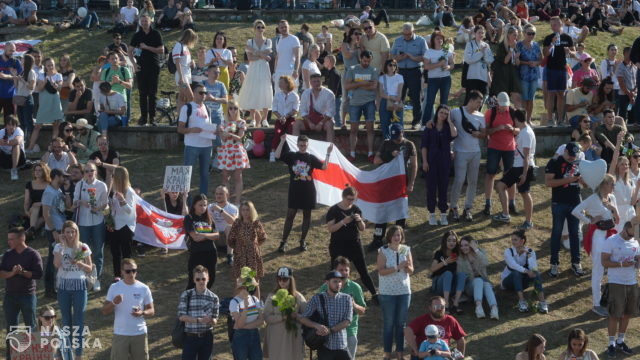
{"x": 577, "y": 344}
{"x": 12, "y": 153}
{"x": 534, "y": 349}
{"x": 28, "y": 13}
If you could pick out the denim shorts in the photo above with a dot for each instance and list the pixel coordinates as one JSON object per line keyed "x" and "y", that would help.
{"x": 556, "y": 80}
{"x": 368, "y": 110}
{"x": 529, "y": 89}
{"x": 493, "y": 160}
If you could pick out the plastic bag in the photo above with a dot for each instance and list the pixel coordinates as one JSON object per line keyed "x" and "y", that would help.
{"x": 424, "y": 21}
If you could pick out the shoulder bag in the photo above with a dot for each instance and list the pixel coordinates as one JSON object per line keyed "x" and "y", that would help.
{"x": 177, "y": 334}
{"x": 311, "y": 338}
{"x": 391, "y": 105}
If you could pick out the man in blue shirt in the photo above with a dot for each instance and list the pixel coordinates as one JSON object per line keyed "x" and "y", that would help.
{"x": 53, "y": 206}
{"x": 9, "y": 67}
{"x": 216, "y": 96}
{"x": 408, "y": 51}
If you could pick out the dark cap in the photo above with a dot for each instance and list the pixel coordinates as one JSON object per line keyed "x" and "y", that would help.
{"x": 588, "y": 82}
{"x": 58, "y": 172}
{"x": 285, "y": 272}
{"x": 333, "y": 274}
{"x": 395, "y": 131}
{"x": 572, "y": 149}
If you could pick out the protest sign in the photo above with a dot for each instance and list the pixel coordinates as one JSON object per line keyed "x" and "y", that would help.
{"x": 177, "y": 179}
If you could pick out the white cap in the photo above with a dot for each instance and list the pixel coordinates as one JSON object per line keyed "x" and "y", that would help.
{"x": 503, "y": 99}
{"x": 431, "y": 330}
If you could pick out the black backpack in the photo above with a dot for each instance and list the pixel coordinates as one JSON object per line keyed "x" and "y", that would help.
{"x": 171, "y": 65}
{"x": 494, "y": 112}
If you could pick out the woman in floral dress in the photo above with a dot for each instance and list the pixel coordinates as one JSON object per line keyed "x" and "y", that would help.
{"x": 232, "y": 156}
{"x": 245, "y": 237}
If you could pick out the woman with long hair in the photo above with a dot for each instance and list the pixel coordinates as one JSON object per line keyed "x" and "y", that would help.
{"x": 256, "y": 94}
{"x": 521, "y": 271}
{"x": 48, "y": 329}
{"x": 506, "y": 77}
{"x": 444, "y": 271}
{"x": 534, "y": 349}
{"x": 33, "y": 197}
{"x": 245, "y": 237}
{"x": 583, "y": 128}
{"x": 395, "y": 266}
{"x": 149, "y": 11}
{"x": 182, "y": 58}
{"x": 202, "y": 233}
{"x": 25, "y": 84}
{"x": 232, "y": 156}
{"x": 310, "y": 66}
{"x": 350, "y": 50}
{"x": 123, "y": 211}
{"x": 283, "y": 334}
{"x": 602, "y": 210}
{"x": 625, "y": 190}
{"x": 49, "y": 105}
{"x": 221, "y": 56}
{"x": 439, "y": 60}
{"x": 73, "y": 261}
{"x": 436, "y": 162}
{"x": 390, "y": 93}
{"x": 577, "y": 347}
{"x": 604, "y": 98}
{"x": 473, "y": 261}
{"x": 478, "y": 55}
{"x": 68, "y": 75}
{"x": 530, "y": 59}
{"x": 634, "y": 165}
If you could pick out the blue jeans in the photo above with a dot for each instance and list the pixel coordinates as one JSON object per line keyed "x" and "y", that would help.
{"x": 201, "y": 155}
{"x": 338, "y": 117}
{"x": 560, "y": 213}
{"x": 443, "y": 85}
{"x": 529, "y": 89}
{"x": 49, "y": 269}
{"x": 368, "y": 110}
{"x": 13, "y": 305}
{"x": 479, "y": 287}
{"x": 106, "y": 121}
{"x": 198, "y": 348}
{"x": 446, "y": 281}
{"x": 394, "y": 320}
{"x": 94, "y": 237}
{"x": 517, "y": 281}
{"x": 25, "y": 115}
{"x": 386, "y": 118}
{"x": 90, "y": 19}
{"x": 73, "y": 301}
{"x": 246, "y": 345}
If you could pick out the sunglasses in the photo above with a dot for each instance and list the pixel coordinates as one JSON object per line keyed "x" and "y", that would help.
{"x": 131, "y": 271}
{"x": 233, "y": 108}
{"x": 202, "y": 92}
{"x": 531, "y": 33}
{"x": 283, "y": 279}
{"x": 48, "y": 317}
{"x": 367, "y": 28}
{"x": 357, "y": 34}
{"x": 68, "y": 130}
{"x": 259, "y": 27}
{"x": 200, "y": 279}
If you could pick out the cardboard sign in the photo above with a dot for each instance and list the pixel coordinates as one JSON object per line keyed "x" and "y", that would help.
{"x": 27, "y": 346}
{"x": 177, "y": 179}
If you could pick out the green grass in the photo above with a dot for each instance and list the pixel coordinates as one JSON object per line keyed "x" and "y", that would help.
{"x": 266, "y": 185}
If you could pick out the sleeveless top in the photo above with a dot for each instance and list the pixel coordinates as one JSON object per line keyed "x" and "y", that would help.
{"x": 397, "y": 283}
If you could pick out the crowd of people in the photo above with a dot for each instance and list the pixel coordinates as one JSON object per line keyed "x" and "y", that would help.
{"x": 81, "y": 196}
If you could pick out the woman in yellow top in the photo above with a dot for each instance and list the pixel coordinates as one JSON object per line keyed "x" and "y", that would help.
{"x": 221, "y": 56}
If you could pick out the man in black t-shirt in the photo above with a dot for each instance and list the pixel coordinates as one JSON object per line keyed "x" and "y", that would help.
{"x": 117, "y": 45}
{"x": 80, "y": 103}
{"x": 391, "y": 148}
{"x": 145, "y": 50}
{"x": 563, "y": 177}
{"x": 557, "y": 47}
{"x": 106, "y": 160}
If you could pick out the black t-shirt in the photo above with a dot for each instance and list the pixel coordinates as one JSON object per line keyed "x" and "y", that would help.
{"x": 441, "y": 257}
{"x": 302, "y": 191}
{"x": 332, "y": 81}
{"x": 200, "y": 225}
{"x": 568, "y": 193}
{"x": 147, "y": 58}
{"x": 113, "y": 47}
{"x": 176, "y": 210}
{"x": 85, "y": 98}
{"x": 111, "y": 155}
{"x": 558, "y": 57}
{"x": 349, "y": 232}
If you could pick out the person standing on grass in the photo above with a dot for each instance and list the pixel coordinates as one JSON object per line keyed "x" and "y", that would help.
{"x": 20, "y": 266}
{"x": 201, "y": 232}
{"x": 131, "y": 301}
{"x": 620, "y": 256}
{"x": 9, "y": 68}
{"x": 123, "y": 210}
{"x": 53, "y": 207}
{"x": 302, "y": 191}
{"x": 184, "y": 63}
{"x": 223, "y": 214}
{"x": 557, "y": 47}
{"x": 245, "y": 237}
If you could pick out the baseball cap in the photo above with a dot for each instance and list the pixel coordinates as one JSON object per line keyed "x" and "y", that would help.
{"x": 83, "y": 123}
{"x": 285, "y": 272}
{"x": 333, "y": 274}
{"x": 58, "y": 172}
{"x": 431, "y": 330}
{"x": 395, "y": 131}
{"x": 572, "y": 148}
{"x": 503, "y": 99}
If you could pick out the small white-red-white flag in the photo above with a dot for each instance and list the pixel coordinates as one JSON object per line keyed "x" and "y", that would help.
{"x": 158, "y": 228}
{"x": 382, "y": 192}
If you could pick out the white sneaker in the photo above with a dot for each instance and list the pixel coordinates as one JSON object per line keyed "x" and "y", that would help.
{"x": 480, "y": 312}
{"x": 96, "y": 286}
{"x": 251, "y": 123}
{"x": 494, "y": 313}
{"x": 433, "y": 221}
{"x": 272, "y": 157}
{"x": 265, "y": 123}
{"x": 14, "y": 174}
{"x": 523, "y": 306}
{"x": 543, "y": 308}
{"x": 443, "y": 219}
{"x": 422, "y": 128}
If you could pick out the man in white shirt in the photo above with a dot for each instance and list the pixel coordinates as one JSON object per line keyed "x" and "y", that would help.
{"x": 317, "y": 108}
{"x": 7, "y": 14}
{"x": 223, "y": 214}
{"x": 287, "y": 55}
{"x": 129, "y": 15}
{"x": 620, "y": 256}
{"x": 112, "y": 108}
{"x": 12, "y": 147}
{"x": 131, "y": 301}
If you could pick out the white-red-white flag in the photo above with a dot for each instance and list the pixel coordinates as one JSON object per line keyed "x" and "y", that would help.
{"x": 382, "y": 192}
{"x": 158, "y": 228}
{"x": 22, "y": 46}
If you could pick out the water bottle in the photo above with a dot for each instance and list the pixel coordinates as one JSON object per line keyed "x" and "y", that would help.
{"x": 629, "y": 107}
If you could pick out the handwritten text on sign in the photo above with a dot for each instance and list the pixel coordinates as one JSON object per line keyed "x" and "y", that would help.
{"x": 177, "y": 178}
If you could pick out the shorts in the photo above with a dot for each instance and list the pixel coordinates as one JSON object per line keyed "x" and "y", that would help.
{"x": 623, "y": 300}
{"x": 529, "y": 89}
{"x": 493, "y": 160}
{"x": 7, "y": 163}
{"x": 512, "y": 176}
{"x": 368, "y": 110}
{"x": 556, "y": 80}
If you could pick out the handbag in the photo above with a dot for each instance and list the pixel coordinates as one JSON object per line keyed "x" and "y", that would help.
{"x": 177, "y": 334}
{"x": 605, "y": 224}
{"x": 50, "y": 89}
{"x": 311, "y": 338}
{"x": 91, "y": 278}
{"x": 19, "y": 100}
{"x": 391, "y": 105}
{"x": 314, "y": 116}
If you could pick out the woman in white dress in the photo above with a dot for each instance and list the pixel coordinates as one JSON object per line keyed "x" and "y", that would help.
{"x": 626, "y": 189}
{"x": 256, "y": 94}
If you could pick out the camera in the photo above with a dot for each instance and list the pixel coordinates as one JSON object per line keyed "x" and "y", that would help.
{"x": 432, "y": 352}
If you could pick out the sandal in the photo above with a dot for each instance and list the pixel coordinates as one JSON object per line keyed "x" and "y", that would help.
{"x": 456, "y": 310}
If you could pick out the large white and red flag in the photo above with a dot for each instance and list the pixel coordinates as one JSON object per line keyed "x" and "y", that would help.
{"x": 382, "y": 192}
{"x": 158, "y": 228}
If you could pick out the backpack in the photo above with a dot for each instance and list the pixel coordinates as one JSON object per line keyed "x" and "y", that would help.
{"x": 494, "y": 112}
{"x": 122, "y": 73}
{"x": 189, "y": 113}
{"x": 171, "y": 65}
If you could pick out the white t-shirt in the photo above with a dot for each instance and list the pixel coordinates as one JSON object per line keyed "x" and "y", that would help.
{"x": 607, "y": 70}
{"x": 218, "y": 219}
{"x": 560, "y": 151}
{"x": 138, "y": 295}
{"x": 464, "y": 142}
{"x": 199, "y": 117}
{"x": 69, "y": 275}
{"x": 113, "y": 102}
{"x": 324, "y": 38}
{"x": 182, "y": 57}
{"x": 129, "y": 14}
{"x": 57, "y": 77}
{"x": 621, "y": 250}
{"x": 636, "y": 6}
{"x": 287, "y": 49}
{"x": 8, "y": 11}
{"x": 390, "y": 83}
{"x": 224, "y": 53}
{"x": 434, "y": 56}
{"x": 16, "y": 132}
{"x": 95, "y": 192}
{"x": 525, "y": 139}
{"x": 22, "y": 89}
{"x": 312, "y": 67}
{"x": 253, "y": 307}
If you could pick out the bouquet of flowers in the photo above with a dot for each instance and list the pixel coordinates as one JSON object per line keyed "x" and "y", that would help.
{"x": 247, "y": 276}
{"x": 446, "y": 50}
{"x": 79, "y": 254}
{"x": 92, "y": 197}
{"x": 286, "y": 303}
